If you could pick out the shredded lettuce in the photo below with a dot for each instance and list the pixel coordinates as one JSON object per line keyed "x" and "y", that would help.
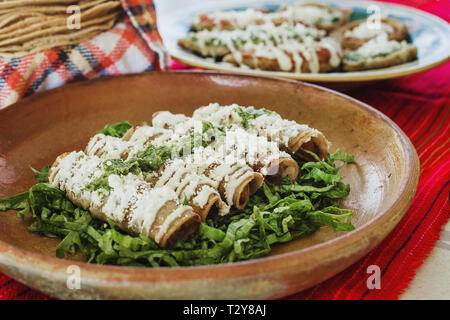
{"x": 117, "y": 130}
{"x": 275, "y": 214}
{"x": 41, "y": 176}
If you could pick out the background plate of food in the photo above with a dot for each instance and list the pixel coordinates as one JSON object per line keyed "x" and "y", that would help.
{"x": 331, "y": 41}
{"x": 119, "y": 206}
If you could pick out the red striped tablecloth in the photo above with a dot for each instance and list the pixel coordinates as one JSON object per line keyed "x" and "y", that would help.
{"x": 420, "y": 105}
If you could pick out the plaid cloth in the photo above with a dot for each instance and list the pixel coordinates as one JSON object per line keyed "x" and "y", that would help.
{"x": 419, "y": 104}
{"x": 132, "y": 45}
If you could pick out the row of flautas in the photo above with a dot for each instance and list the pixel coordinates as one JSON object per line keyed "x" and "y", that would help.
{"x": 169, "y": 203}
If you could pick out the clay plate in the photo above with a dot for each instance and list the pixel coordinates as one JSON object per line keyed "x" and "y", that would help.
{"x": 37, "y": 129}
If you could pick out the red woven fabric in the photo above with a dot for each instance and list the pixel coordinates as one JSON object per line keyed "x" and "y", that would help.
{"x": 419, "y": 104}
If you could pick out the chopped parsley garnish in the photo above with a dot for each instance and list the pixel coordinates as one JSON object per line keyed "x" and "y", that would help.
{"x": 113, "y": 166}
{"x": 250, "y": 113}
{"x": 150, "y": 159}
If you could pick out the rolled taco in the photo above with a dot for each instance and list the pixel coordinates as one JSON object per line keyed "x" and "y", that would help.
{"x": 197, "y": 190}
{"x": 311, "y": 14}
{"x": 235, "y": 183}
{"x": 181, "y": 126}
{"x": 258, "y": 152}
{"x": 216, "y": 43}
{"x": 233, "y": 178}
{"x": 309, "y": 56}
{"x": 316, "y": 15}
{"x": 194, "y": 188}
{"x": 353, "y": 35}
{"x": 262, "y": 155}
{"x": 379, "y": 52}
{"x": 128, "y": 201}
{"x": 104, "y": 146}
{"x": 231, "y": 20}
{"x": 289, "y": 135}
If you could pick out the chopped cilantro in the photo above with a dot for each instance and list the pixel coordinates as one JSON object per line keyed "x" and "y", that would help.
{"x": 249, "y": 113}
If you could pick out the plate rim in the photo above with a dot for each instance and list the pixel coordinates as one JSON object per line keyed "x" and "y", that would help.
{"x": 327, "y": 77}
{"x": 33, "y": 263}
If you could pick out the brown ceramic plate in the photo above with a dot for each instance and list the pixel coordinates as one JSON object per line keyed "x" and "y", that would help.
{"x": 37, "y": 129}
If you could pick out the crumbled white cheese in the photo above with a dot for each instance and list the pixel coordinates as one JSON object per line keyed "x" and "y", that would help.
{"x": 378, "y": 46}
{"x": 367, "y": 30}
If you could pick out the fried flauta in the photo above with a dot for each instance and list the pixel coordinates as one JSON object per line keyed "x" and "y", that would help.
{"x": 311, "y": 14}
{"x": 309, "y": 56}
{"x": 354, "y": 34}
{"x": 289, "y": 135}
{"x": 315, "y": 15}
{"x": 257, "y": 152}
{"x": 379, "y": 52}
{"x": 128, "y": 201}
{"x": 217, "y": 43}
{"x": 233, "y": 178}
{"x": 191, "y": 180}
{"x": 196, "y": 189}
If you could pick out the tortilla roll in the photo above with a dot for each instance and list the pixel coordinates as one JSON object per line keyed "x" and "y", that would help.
{"x": 216, "y": 43}
{"x": 230, "y": 181}
{"x": 104, "y": 146}
{"x": 289, "y": 135}
{"x": 353, "y": 35}
{"x": 231, "y": 20}
{"x": 233, "y": 178}
{"x": 206, "y": 51}
{"x": 143, "y": 135}
{"x": 234, "y": 184}
{"x": 316, "y": 15}
{"x": 130, "y": 203}
{"x": 196, "y": 189}
{"x": 176, "y": 126}
{"x": 280, "y": 168}
{"x": 311, "y": 14}
{"x": 261, "y": 155}
{"x": 291, "y": 56}
{"x": 124, "y": 148}
{"x": 258, "y": 152}
{"x": 233, "y": 181}
{"x": 379, "y": 52}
